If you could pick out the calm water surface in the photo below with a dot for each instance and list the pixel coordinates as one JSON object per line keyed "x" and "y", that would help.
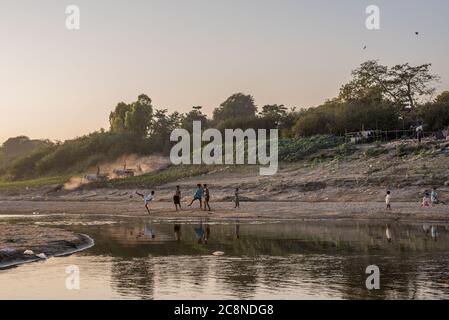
{"x": 140, "y": 258}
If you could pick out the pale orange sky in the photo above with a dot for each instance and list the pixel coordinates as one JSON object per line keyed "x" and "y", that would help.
{"x": 59, "y": 84}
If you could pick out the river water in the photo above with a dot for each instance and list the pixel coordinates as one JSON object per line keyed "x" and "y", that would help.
{"x": 141, "y": 258}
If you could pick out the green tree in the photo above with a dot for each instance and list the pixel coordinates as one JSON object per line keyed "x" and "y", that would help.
{"x": 194, "y": 115}
{"x": 443, "y": 98}
{"x": 436, "y": 114}
{"x": 402, "y": 84}
{"x": 238, "y": 105}
{"x": 274, "y": 112}
{"x": 134, "y": 118}
{"x": 162, "y": 127}
{"x": 117, "y": 117}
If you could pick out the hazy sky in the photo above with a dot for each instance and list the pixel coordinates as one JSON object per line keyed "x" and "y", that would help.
{"x": 58, "y": 84}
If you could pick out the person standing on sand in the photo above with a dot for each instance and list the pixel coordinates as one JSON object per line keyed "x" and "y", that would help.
{"x": 237, "y": 198}
{"x": 147, "y": 199}
{"x": 206, "y": 197}
{"x": 198, "y": 196}
{"x": 388, "y": 200}
{"x": 419, "y": 133}
{"x": 177, "y": 198}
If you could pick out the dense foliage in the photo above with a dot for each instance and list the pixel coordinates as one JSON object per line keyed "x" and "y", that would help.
{"x": 377, "y": 97}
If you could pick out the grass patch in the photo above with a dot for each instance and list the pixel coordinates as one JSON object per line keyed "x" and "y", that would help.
{"x": 405, "y": 149}
{"x": 375, "y": 152}
{"x": 32, "y": 183}
{"x": 291, "y": 150}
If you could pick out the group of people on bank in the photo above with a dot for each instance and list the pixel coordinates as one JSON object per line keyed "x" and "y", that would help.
{"x": 202, "y": 195}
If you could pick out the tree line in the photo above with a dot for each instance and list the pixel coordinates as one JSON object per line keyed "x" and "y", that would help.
{"x": 377, "y": 97}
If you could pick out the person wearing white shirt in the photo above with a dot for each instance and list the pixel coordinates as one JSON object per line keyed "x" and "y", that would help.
{"x": 147, "y": 199}
{"x": 388, "y": 200}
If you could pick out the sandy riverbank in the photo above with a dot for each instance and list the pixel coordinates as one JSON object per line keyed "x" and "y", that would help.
{"x": 404, "y": 211}
{"x": 349, "y": 188}
{"x": 41, "y": 242}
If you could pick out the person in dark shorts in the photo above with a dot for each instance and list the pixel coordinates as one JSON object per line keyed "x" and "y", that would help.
{"x": 177, "y": 198}
{"x": 237, "y": 198}
{"x": 206, "y": 197}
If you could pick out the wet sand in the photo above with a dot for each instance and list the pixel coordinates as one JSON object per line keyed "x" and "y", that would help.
{"x": 15, "y": 239}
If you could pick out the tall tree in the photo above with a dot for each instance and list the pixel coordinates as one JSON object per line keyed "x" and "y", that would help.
{"x": 275, "y": 113}
{"x": 194, "y": 115}
{"x": 134, "y": 118}
{"x": 236, "y": 106}
{"x": 411, "y": 83}
{"x": 402, "y": 84}
{"x": 162, "y": 126}
{"x": 443, "y": 98}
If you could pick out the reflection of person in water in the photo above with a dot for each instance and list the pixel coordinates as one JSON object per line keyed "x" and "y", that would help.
{"x": 434, "y": 232}
{"x": 199, "y": 232}
{"x": 237, "y": 229}
{"x": 177, "y": 232}
{"x": 149, "y": 231}
{"x": 207, "y": 233}
{"x": 388, "y": 233}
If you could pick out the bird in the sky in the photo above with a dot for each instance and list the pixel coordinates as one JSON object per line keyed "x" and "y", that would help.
{"x": 364, "y": 48}
{"x": 417, "y": 33}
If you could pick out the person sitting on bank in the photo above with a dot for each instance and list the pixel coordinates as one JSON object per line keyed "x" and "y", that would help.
{"x": 434, "y": 197}
{"x": 426, "y": 202}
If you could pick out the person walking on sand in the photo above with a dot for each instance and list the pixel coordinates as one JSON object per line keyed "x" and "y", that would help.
{"x": 237, "y": 198}
{"x": 426, "y": 202}
{"x": 206, "y": 197}
{"x": 147, "y": 199}
{"x": 177, "y": 198}
{"x": 198, "y": 196}
{"x": 388, "y": 200}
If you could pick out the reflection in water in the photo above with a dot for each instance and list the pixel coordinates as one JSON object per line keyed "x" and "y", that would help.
{"x": 207, "y": 233}
{"x": 237, "y": 229}
{"x": 388, "y": 233}
{"x": 434, "y": 232}
{"x": 199, "y": 231}
{"x": 152, "y": 260}
{"x": 177, "y": 230}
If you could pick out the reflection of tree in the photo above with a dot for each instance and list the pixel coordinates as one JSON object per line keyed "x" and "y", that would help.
{"x": 133, "y": 277}
{"x": 239, "y": 276}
